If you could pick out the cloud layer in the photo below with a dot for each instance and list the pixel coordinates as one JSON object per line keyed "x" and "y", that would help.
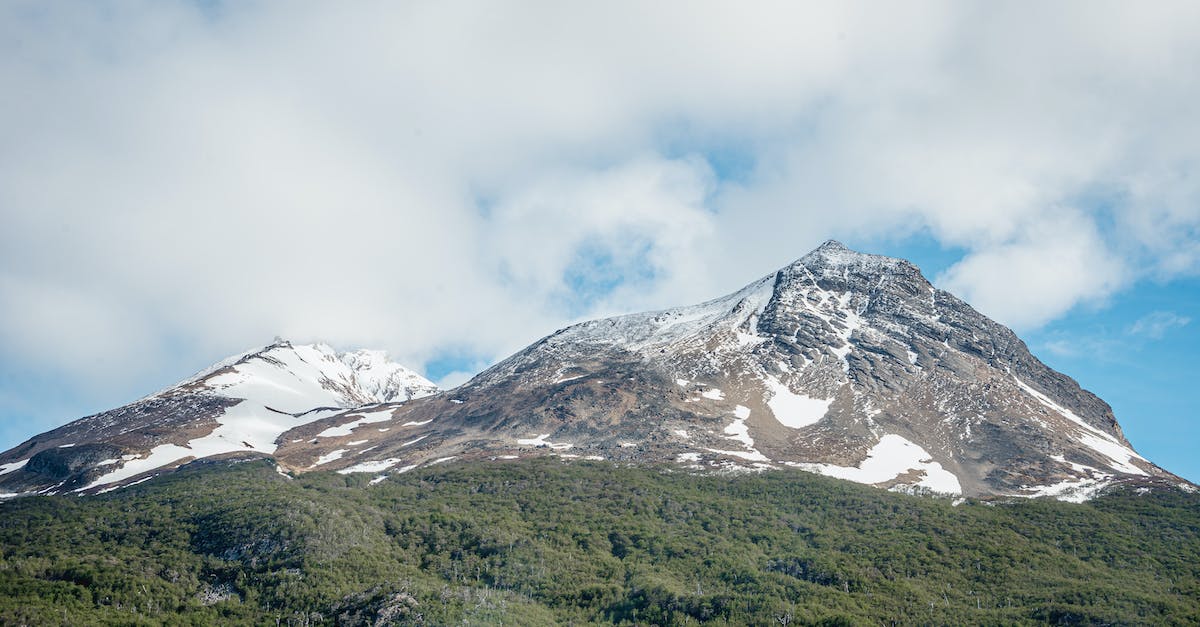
{"x": 192, "y": 179}
{"x": 1155, "y": 325}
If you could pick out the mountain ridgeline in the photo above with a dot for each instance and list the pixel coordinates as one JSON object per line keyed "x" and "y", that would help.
{"x": 844, "y": 364}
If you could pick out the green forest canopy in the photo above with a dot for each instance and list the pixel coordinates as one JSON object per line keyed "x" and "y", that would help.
{"x": 544, "y": 541}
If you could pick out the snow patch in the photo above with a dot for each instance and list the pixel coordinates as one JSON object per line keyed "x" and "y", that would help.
{"x": 158, "y": 457}
{"x": 375, "y": 466}
{"x": 540, "y": 440}
{"x": 891, "y": 457}
{"x": 738, "y": 430}
{"x": 15, "y": 466}
{"x": 794, "y": 410}
{"x": 752, "y": 455}
{"x": 1073, "y": 491}
{"x": 379, "y": 415}
{"x": 713, "y": 394}
{"x": 117, "y": 487}
{"x": 745, "y": 339}
{"x": 329, "y": 457}
{"x": 414, "y": 441}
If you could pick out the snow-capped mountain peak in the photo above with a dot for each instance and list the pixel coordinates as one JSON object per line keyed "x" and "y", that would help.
{"x": 287, "y": 372}
{"x": 833, "y": 258}
{"x": 843, "y": 363}
{"x": 383, "y": 379}
{"x": 238, "y": 405}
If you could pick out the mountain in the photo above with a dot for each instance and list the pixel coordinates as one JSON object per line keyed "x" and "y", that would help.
{"x": 238, "y": 406}
{"x": 842, "y": 363}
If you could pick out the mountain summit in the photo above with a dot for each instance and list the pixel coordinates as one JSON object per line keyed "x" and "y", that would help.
{"x": 842, "y": 363}
{"x": 237, "y": 406}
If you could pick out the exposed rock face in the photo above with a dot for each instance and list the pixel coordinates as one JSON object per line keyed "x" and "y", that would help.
{"x": 842, "y": 363}
{"x": 847, "y": 364}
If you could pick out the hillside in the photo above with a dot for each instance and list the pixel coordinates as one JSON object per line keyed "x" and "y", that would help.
{"x": 541, "y": 541}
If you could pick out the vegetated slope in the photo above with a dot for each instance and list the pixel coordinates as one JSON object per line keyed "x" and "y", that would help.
{"x": 541, "y": 541}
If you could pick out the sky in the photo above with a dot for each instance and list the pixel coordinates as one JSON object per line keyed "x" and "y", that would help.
{"x": 183, "y": 180}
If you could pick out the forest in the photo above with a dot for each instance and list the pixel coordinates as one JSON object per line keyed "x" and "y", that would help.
{"x": 545, "y": 541}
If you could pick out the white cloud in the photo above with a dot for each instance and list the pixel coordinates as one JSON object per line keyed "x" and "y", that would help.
{"x": 424, "y": 176}
{"x": 1155, "y": 325}
{"x": 643, "y": 221}
{"x": 72, "y": 328}
{"x": 1040, "y": 274}
{"x": 454, "y": 379}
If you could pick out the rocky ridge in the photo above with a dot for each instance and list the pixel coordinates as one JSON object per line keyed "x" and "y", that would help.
{"x": 842, "y": 363}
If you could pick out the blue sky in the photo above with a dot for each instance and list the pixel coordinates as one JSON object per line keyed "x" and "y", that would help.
{"x": 450, "y": 182}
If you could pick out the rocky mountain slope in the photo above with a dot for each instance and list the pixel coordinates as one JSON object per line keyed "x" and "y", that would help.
{"x": 238, "y": 406}
{"x": 845, "y": 364}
